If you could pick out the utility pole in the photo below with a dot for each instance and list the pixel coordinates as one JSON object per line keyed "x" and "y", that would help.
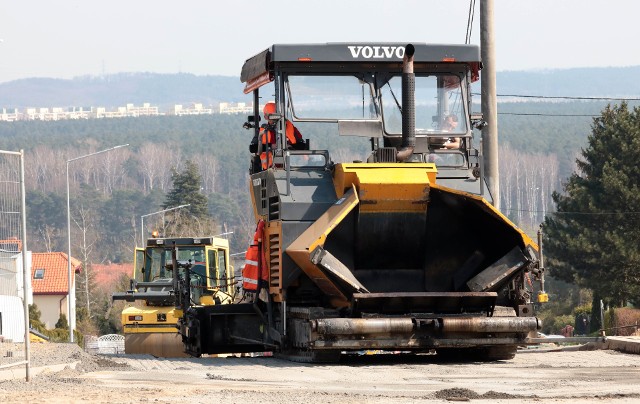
{"x": 488, "y": 100}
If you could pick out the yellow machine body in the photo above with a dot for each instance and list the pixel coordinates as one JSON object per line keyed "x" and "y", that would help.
{"x": 393, "y": 197}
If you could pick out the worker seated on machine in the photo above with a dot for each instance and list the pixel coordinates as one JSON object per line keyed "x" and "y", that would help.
{"x": 267, "y": 137}
{"x": 449, "y": 124}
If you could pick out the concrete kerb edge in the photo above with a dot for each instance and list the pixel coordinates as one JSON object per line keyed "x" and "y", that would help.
{"x": 19, "y": 371}
{"x": 630, "y": 345}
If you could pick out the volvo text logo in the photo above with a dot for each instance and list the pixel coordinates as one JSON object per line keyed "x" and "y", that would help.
{"x": 377, "y": 52}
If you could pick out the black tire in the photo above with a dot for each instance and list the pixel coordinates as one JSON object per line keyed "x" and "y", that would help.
{"x": 303, "y": 356}
{"x": 500, "y": 353}
{"x": 453, "y": 354}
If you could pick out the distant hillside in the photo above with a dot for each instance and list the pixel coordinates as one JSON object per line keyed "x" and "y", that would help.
{"x": 117, "y": 90}
{"x": 165, "y": 90}
{"x": 579, "y": 82}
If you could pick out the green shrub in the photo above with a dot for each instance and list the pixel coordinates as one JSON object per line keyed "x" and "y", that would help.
{"x": 560, "y": 322}
{"x": 62, "y": 322}
{"x": 552, "y": 323}
{"x": 34, "y": 318}
{"x": 57, "y": 335}
{"x": 583, "y": 309}
{"x": 582, "y": 318}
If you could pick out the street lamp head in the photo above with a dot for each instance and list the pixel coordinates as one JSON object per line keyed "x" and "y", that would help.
{"x": 154, "y": 213}
{"x": 98, "y": 152}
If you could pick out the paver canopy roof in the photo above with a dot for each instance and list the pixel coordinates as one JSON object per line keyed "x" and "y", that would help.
{"x": 356, "y": 53}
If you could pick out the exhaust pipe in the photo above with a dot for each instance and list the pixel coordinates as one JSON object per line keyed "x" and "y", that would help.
{"x": 490, "y": 324}
{"x": 408, "y": 105}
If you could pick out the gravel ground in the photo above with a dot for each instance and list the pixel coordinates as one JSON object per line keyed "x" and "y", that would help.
{"x": 532, "y": 377}
{"x": 46, "y": 385}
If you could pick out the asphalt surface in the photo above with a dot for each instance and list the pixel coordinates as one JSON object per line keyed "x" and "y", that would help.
{"x": 548, "y": 374}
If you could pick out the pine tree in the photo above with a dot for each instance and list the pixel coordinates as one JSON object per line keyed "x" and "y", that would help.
{"x": 593, "y": 238}
{"x": 187, "y": 191}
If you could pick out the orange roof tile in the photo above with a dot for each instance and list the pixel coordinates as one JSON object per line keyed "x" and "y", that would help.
{"x": 55, "y": 277}
{"x": 108, "y": 275}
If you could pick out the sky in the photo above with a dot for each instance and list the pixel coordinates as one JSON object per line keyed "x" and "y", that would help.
{"x": 69, "y": 38}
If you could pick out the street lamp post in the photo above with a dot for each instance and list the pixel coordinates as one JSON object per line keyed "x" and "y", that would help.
{"x": 155, "y": 213}
{"x": 71, "y": 293}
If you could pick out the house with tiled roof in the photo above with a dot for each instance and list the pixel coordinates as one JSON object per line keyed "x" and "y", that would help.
{"x": 50, "y": 284}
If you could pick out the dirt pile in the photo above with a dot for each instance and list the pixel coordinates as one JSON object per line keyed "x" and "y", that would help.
{"x": 47, "y": 354}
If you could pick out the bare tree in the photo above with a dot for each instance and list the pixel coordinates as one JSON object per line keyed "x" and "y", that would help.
{"x": 181, "y": 224}
{"x": 152, "y": 159}
{"x": 527, "y": 181}
{"x": 48, "y": 234}
{"x": 208, "y": 169}
{"x": 548, "y": 182}
{"x": 44, "y": 169}
{"x": 113, "y": 170}
{"x": 508, "y": 164}
{"x": 531, "y": 186}
{"x": 32, "y": 170}
{"x": 84, "y": 171}
{"x": 85, "y": 221}
{"x": 516, "y": 185}
{"x": 174, "y": 160}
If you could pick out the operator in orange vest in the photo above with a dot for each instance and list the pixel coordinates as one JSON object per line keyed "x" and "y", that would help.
{"x": 268, "y": 136}
{"x": 254, "y": 269}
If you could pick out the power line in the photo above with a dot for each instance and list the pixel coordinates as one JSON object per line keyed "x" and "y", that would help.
{"x": 558, "y": 97}
{"x": 572, "y": 213}
{"x": 540, "y": 114}
{"x": 596, "y": 213}
{"x": 472, "y": 7}
{"x": 568, "y": 98}
{"x": 565, "y": 97}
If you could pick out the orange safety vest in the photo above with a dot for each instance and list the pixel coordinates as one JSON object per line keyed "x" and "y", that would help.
{"x": 268, "y": 137}
{"x": 293, "y": 135}
{"x": 254, "y": 267}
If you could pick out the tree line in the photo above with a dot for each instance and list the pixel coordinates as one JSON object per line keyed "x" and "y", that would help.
{"x": 110, "y": 192}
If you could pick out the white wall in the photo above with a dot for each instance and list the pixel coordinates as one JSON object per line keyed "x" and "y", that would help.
{"x": 11, "y": 277}
{"x": 21, "y": 277}
{"x": 50, "y": 307}
{"x": 9, "y": 274}
{"x": 12, "y": 313}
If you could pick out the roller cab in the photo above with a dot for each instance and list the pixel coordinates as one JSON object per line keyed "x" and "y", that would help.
{"x": 150, "y": 317}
